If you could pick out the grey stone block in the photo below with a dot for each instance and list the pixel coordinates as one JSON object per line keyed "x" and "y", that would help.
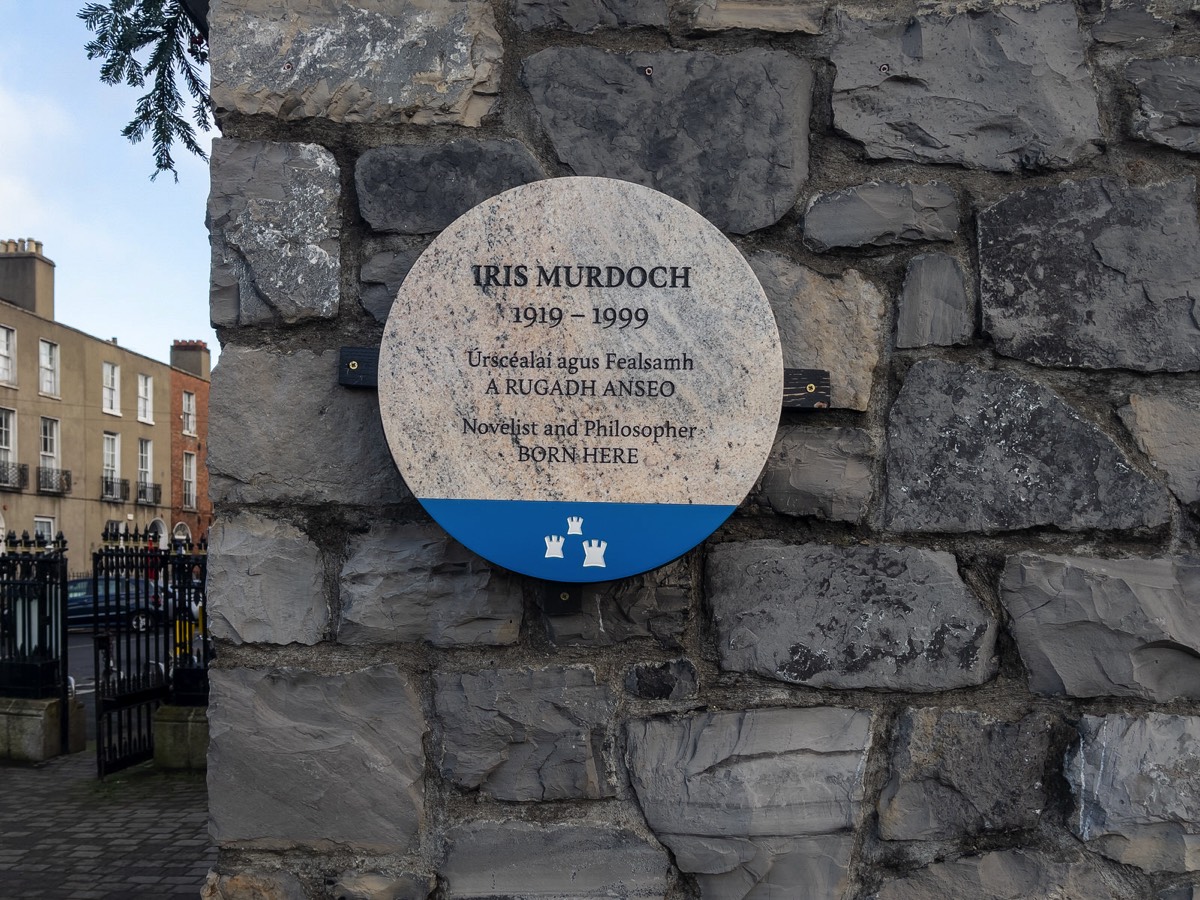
{"x": 1166, "y": 425}
{"x": 526, "y": 734}
{"x": 404, "y": 583}
{"x": 767, "y": 867}
{"x": 30, "y": 729}
{"x": 676, "y": 679}
{"x": 253, "y": 884}
{"x": 820, "y": 472}
{"x": 378, "y": 886}
{"x": 380, "y": 277}
{"x": 1129, "y": 25}
{"x": 587, "y": 15}
{"x": 888, "y": 618}
{"x": 274, "y": 224}
{"x": 180, "y": 738}
{"x": 420, "y": 189}
{"x": 1106, "y": 627}
{"x": 972, "y": 450}
{"x": 935, "y": 308}
{"x": 321, "y": 443}
{"x": 266, "y": 583}
{"x": 956, "y": 773}
{"x": 410, "y": 61}
{"x": 835, "y": 324}
{"x": 560, "y": 861}
{"x": 298, "y": 759}
{"x": 1137, "y": 789}
{"x": 727, "y": 135}
{"x": 1005, "y": 875}
{"x": 1005, "y": 89}
{"x": 654, "y": 605}
{"x": 754, "y": 802}
{"x": 1098, "y": 274}
{"x": 880, "y": 214}
{"x": 785, "y": 16}
{"x": 1168, "y": 111}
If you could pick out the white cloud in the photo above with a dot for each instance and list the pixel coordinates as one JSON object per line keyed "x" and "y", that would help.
{"x": 30, "y": 122}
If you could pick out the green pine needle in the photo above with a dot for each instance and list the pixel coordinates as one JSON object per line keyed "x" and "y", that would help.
{"x": 125, "y": 28}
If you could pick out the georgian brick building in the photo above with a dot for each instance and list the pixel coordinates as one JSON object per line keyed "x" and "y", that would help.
{"x": 93, "y": 434}
{"x": 191, "y": 509}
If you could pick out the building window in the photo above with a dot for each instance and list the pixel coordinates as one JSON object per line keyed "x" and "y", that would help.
{"x": 189, "y": 412}
{"x": 146, "y": 399}
{"x": 48, "y": 368}
{"x": 49, "y": 455}
{"x": 112, "y": 456}
{"x": 111, "y": 487}
{"x": 110, "y": 400}
{"x": 145, "y": 460}
{"x": 147, "y": 491}
{"x": 8, "y": 437}
{"x": 43, "y": 527}
{"x": 13, "y": 475}
{"x": 189, "y": 481}
{"x": 51, "y": 479}
{"x": 8, "y": 355}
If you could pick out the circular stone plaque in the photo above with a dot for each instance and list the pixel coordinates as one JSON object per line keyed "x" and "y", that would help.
{"x": 580, "y": 379}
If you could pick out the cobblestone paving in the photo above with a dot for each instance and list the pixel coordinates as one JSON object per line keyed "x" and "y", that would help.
{"x": 64, "y": 835}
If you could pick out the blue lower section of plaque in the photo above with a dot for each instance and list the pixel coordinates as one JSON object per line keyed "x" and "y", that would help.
{"x": 573, "y": 542}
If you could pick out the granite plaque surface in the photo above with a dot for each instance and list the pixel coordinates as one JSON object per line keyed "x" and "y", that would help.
{"x": 580, "y": 379}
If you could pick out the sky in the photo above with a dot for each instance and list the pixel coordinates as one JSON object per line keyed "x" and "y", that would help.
{"x": 131, "y": 255}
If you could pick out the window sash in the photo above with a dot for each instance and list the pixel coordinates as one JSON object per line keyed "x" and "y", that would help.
{"x": 145, "y": 460}
{"x": 49, "y": 452}
{"x": 189, "y": 412}
{"x": 7, "y": 416}
{"x": 112, "y": 460}
{"x": 8, "y": 368}
{"x": 189, "y": 480}
{"x": 145, "y": 398}
{"x": 112, "y": 387}
{"x": 48, "y": 367}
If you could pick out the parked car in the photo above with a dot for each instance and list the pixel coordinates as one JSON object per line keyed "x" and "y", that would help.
{"x": 129, "y": 603}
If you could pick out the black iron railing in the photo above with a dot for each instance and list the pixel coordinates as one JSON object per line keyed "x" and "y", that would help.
{"x": 114, "y": 490}
{"x": 54, "y": 481}
{"x": 33, "y": 624}
{"x": 14, "y": 476}
{"x": 149, "y": 493}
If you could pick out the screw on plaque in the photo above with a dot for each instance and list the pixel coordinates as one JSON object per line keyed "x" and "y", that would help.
{"x": 353, "y": 364}
{"x": 560, "y": 599}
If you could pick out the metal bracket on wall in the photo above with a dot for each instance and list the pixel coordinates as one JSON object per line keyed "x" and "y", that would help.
{"x": 561, "y": 599}
{"x": 358, "y": 367}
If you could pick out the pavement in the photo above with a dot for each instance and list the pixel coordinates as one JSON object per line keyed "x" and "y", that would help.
{"x": 66, "y": 835}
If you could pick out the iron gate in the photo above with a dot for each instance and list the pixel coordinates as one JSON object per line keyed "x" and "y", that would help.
{"x": 151, "y": 645}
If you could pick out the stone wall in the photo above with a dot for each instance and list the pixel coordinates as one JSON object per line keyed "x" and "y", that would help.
{"x": 949, "y": 645}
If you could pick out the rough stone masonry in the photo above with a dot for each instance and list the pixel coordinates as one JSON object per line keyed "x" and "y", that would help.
{"x": 948, "y": 645}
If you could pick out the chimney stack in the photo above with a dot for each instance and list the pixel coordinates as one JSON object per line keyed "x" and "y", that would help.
{"x": 191, "y": 357}
{"x": 26, "y": 276}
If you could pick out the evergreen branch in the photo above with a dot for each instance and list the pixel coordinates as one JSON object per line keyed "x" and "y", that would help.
{"x": 126, "y": 28}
